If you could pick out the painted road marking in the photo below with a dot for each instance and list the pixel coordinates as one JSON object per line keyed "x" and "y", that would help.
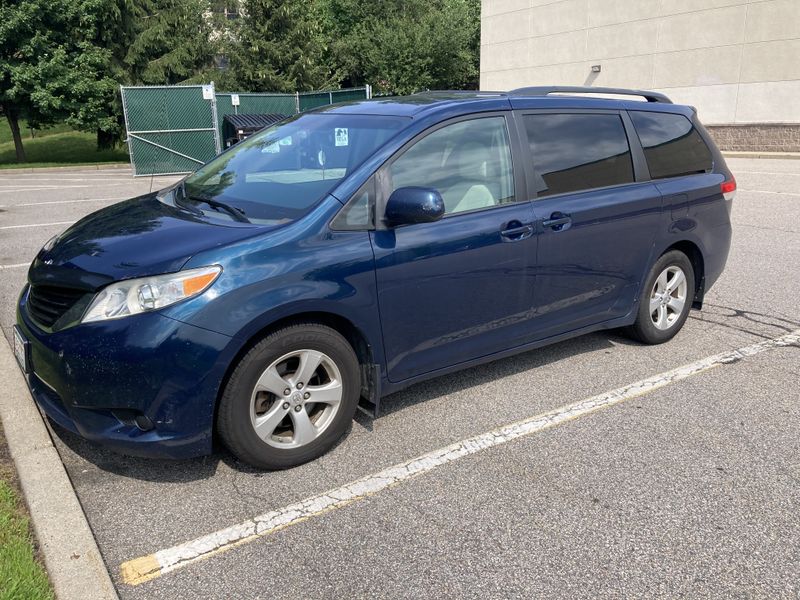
{"x": 16, "y": 266}
{"x": 44, "y": 188}
{"x": 42, "y": 182}
{"x": 145, "y": 568}
{"x": 37, "y": 225}
{"x": 65, "y": 201}
{"x": 766, "y": 173}
{"x": 768, "y": 192}
{"x": 35, "y": 186}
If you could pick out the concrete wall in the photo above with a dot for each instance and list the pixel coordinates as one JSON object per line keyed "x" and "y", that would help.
{"x": 737, "y": 61}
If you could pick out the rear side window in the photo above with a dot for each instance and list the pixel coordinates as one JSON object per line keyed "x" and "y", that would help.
{"x": 573, "y": 152}
{"x": 672, "y": 146}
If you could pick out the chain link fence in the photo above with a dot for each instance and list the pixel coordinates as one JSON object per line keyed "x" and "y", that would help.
{"x": 175, "y": 129}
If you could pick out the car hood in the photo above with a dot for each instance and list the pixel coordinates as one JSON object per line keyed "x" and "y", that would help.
{"x": 135, "y": 238}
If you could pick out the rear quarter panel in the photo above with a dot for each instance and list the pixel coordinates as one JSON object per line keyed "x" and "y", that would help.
{"x": 696, "y": 211}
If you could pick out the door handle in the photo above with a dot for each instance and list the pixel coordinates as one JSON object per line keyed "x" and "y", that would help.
{"x": 557, "y": 221}
{"x": 516, "y": 231}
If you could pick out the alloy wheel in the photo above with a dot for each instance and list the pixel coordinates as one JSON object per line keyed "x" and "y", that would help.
{"x": 296, "y": 398}
{"x": 668, "y": 297}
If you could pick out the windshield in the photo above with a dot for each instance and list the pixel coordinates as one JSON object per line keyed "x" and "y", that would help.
{"x": 278, "y": 174}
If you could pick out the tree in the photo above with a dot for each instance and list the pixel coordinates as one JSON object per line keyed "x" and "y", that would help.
{"x": 151, "y": 42}
{"x": 173, "y": 41}
{"x": 276, "y": 45}
{"x": 402, "y": 46}
{"x": 49, "y": 69}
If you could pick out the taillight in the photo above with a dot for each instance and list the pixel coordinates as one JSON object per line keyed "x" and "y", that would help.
{"x": 728, "y": 188}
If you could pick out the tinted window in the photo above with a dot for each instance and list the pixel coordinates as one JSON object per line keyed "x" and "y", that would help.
{"x": 279, "y": 173}
{"x": 574, "y": 152}
{"x": 672, "y": 146}
{"x": 469, "y": 163}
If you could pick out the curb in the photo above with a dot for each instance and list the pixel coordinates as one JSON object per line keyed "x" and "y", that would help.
{"x": 90, "y": 167}
{"x": 71, "y": 555}
{"x": 783, "y": 155}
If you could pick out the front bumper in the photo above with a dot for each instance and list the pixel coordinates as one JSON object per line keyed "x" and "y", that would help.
{"x": 95, "y": 379}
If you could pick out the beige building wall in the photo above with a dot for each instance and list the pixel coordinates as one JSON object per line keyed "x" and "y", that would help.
{"x": 737, "y": 61}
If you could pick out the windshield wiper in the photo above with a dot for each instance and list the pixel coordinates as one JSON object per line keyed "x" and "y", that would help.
{"x": 234, "y": 211}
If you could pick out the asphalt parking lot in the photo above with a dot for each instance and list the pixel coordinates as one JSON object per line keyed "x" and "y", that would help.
{"x": 692, "y": 489}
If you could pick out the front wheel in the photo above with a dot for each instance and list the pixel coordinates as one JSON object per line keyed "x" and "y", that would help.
{"x": 665, "y": 300}
{"x": 290, "y": 398}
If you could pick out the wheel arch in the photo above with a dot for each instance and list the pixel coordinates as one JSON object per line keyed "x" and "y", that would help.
{"x": 358, "y": 340}
{"x": 695, "y": 256}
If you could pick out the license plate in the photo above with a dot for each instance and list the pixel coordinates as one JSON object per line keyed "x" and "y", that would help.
{"x": 21, "y": 350}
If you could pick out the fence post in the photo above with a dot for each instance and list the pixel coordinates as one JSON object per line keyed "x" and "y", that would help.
{"x": 297, "y": 102}
{"x": 369, "y": 91}
{"x": 127, "y": 137}
{"x": 217, "y": 142}
{"x": 330, "y": 97}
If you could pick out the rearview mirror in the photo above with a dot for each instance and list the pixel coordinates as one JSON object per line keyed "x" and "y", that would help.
{"x": 409, "y": 205}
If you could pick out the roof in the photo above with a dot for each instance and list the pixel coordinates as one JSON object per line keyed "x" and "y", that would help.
{"x": 425, "y": 103}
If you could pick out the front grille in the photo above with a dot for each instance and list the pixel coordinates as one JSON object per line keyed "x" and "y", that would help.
{"x": 47, "y": 303}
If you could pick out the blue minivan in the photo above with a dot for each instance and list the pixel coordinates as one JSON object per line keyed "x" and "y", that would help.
{"x": 348, "y": 252}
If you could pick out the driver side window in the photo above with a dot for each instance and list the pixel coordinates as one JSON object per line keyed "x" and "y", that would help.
{"x": 468, "y": 163}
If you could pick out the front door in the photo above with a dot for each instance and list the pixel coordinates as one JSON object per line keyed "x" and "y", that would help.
{"x": 461, "y": 287}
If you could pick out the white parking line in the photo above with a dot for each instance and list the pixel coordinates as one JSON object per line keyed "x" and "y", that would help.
{"x": 769, "y": 192}
{"x": 37, "y": 225}
{"x": 27, "y": 189}
{"x": 65, "y": 201}
{"x": 765, "y": 173}
{"x": 42, "y": 188}
{"x": 9, "y": 180}
{"x": 16, "y": 266}
{"x": 148, "y": 567}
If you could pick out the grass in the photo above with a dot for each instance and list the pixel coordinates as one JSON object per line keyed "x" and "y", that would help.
{"x": 22, "y": 577}
{"x": 5, "y": 131}
{"x": 55, "y": 146}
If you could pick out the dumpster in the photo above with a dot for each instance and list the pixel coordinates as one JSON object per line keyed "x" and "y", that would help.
{"x": 236, "y": 128}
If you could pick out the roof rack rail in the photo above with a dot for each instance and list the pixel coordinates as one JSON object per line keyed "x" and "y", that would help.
{"x": 557, "y": 89}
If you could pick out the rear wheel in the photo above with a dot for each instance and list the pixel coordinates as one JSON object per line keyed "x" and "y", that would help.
{"x": 290, "y": 398}
{"x": 665, "y": 300}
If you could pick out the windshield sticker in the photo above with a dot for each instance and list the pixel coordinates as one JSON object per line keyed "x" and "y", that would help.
{"x": 287, "y": 141}
{"x": 341, "y": 136}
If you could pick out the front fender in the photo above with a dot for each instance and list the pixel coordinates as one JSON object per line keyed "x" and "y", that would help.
{"x": 302, "y": 269}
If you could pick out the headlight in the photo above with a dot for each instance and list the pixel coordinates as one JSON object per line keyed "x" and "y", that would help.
{"x": 134, "y": 296}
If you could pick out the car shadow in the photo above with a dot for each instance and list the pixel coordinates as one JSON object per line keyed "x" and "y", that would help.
{"x": 172, "y": 471}
{"x": 481, "y": 374}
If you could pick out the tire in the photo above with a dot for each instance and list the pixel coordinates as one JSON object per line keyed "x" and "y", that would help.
{"x": 268, "y": 428}
{"x": 669, "y": 314}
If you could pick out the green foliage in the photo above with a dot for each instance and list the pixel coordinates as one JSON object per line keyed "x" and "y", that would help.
{"x": 70, "y": 147}
{"x": 63, "y": 60}
{"x": 276, "y": 46}
{"x": 20, "y": 575}
{"x": 172, "y": 42}
{"x": 402, "y": 46}
{"x": 51, "y": 69}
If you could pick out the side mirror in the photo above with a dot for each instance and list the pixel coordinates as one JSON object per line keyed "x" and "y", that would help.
{"x": 409, "y": 205}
